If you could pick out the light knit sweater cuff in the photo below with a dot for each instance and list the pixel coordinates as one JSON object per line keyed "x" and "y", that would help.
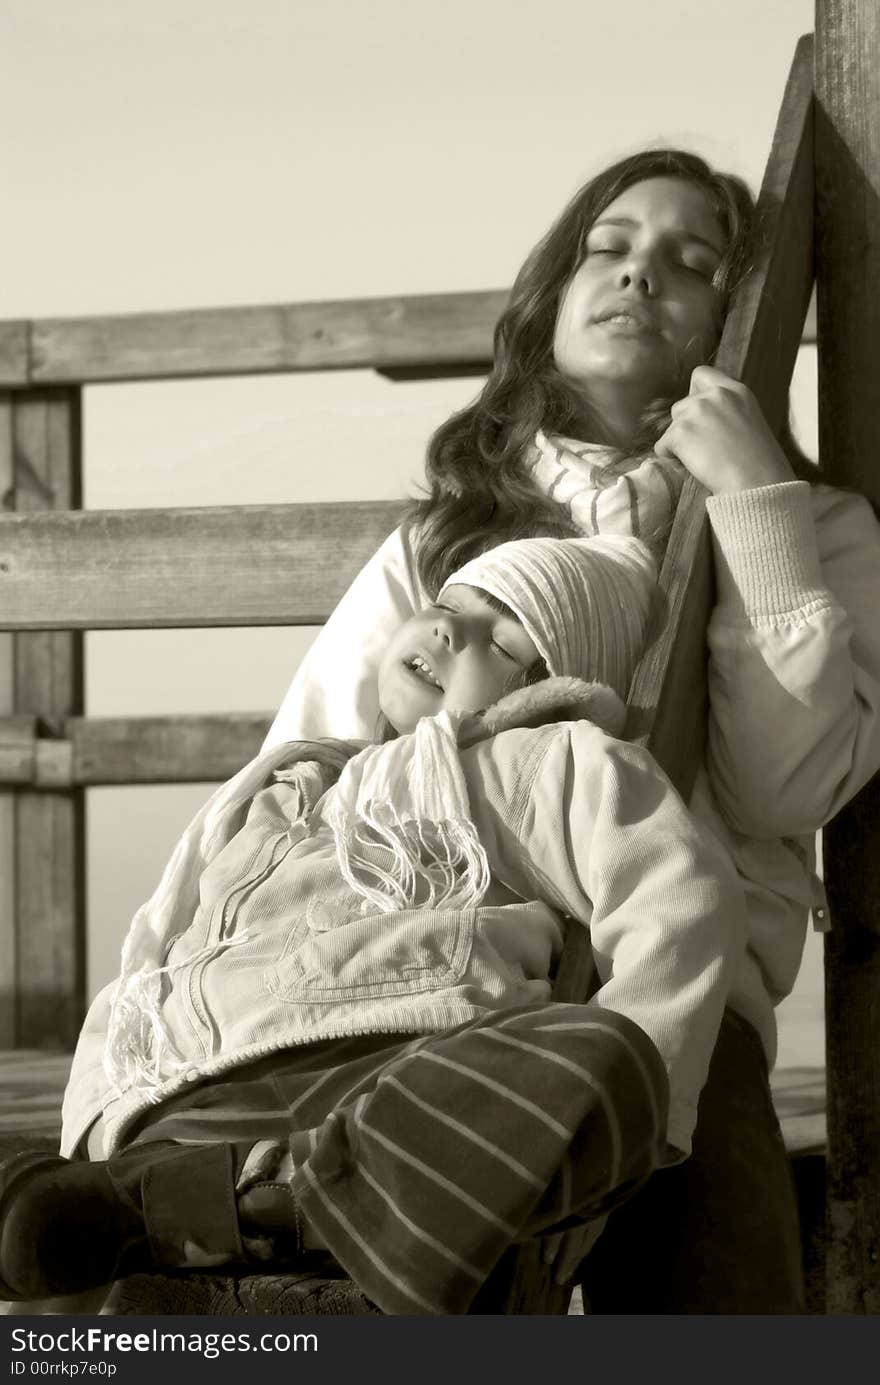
{"x": 766, "y": 555}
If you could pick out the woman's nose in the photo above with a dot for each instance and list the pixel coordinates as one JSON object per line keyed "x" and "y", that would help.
{"x": 638, "y": 271}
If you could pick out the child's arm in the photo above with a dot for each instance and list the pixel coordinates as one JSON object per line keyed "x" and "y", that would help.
{"x": 334, "y": 690}
{"x": 593, "y": 827}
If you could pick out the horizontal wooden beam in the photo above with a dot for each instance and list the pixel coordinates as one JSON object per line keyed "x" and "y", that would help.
{"x": 91, "y": 751}
{"x": 164, "y": 750}
{"x": 15, "y": 353}
{"x": 404, "y": 337}
{"x": 428, "y": 329}
{"x": 226, "y": 565}
{"x": 18, "y": 735}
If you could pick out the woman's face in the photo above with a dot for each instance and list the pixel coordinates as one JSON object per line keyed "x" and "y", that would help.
{"x": 640, "y": 311}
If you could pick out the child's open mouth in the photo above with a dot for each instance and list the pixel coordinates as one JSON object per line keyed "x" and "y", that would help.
{"x": 422, "y": 670}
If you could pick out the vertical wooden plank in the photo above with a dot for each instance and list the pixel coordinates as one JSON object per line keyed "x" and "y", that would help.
{"x": 8, "y": 949}
{"x": 759, "y": 346}
{"x": 48, "y": 682}
{"x": 847, "y": 136}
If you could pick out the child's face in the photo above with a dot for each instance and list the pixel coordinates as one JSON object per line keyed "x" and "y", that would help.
{"x": 458, "y": 655}
{"x": 641, "y": 306}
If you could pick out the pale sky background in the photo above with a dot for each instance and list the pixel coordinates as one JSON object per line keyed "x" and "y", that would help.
{"x": 185, "y": 153}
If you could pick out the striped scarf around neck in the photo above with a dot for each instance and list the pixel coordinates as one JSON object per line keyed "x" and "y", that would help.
{"x": 604, "y": 492}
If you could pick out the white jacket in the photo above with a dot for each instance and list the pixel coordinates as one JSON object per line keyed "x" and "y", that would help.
{"x": 255, "y": 940}
{"x": 794, "y": 682}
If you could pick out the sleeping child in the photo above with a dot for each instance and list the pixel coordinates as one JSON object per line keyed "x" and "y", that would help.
{"x": 333, "y": 1026}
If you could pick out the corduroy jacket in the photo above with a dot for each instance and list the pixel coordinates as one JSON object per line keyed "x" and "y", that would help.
{"x": 255, "y": 942}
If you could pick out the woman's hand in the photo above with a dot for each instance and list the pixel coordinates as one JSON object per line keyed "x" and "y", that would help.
{"x": 720, "y": 434}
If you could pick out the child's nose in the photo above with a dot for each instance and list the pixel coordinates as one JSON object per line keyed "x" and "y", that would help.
{"x": 449, "y": 629}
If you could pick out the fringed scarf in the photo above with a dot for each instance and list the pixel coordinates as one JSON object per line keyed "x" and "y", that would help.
{"x": 401, "y": 821}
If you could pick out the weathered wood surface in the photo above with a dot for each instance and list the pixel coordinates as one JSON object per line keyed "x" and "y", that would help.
{"x": 129, "y": 750}
{"x": 15, "y": 362}
{"x": 8, "y": 929}
{"x": 759, "y": 346}
{"x": 162, "y": 750}
{"x": 227, "y": 565}
{"x": 404, "y": 337}
{"x": 18, "y": 736}
{"x": 370, "y": 332}
{"x": 47, "y": 681}
{"x": 848, "y": 290}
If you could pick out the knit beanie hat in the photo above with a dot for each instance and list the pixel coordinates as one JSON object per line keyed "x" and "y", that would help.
{"x": 585, "y": 603}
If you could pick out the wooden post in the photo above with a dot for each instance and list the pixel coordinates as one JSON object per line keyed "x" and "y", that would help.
{"x": 758, "y": 346}
{"x": 48, "y": 828}
{"x": 8, "y": 950}
{"x": 847, "y": 143}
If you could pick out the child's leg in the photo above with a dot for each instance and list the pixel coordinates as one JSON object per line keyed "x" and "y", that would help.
{"x": 416, "y": 1164}
{"x": 520, "y": 1122}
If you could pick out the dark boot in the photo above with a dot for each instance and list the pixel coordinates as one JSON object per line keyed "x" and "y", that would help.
{"x": 68, "y": 1225}
{"x": 268, "y": 1212}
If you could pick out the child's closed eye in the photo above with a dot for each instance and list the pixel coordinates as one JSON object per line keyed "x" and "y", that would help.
{"x": 506, "y": 652}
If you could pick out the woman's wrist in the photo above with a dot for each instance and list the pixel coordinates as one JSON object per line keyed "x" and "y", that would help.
{"x": 766, "y": 554}
{"x": 754, "y": 473}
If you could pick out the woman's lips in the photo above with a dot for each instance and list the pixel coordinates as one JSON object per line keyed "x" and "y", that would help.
{"x": 623, "y": 321}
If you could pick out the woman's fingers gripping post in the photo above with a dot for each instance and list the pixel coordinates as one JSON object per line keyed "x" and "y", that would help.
{"x": 720, "y": 435}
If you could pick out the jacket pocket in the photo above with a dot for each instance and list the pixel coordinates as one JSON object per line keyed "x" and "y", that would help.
{"x": 384, "y": 955}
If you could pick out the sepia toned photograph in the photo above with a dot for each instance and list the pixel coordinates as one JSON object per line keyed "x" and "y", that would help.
{"x": 439, "y": 666}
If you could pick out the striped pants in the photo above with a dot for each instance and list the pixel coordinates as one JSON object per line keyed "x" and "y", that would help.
{"x": 419, "y": 1161}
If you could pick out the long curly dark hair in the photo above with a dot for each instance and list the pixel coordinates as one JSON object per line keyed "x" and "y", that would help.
{"x": 478, "y": 491}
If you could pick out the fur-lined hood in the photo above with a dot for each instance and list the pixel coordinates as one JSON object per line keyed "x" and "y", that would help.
{"x": 553, "y": 699}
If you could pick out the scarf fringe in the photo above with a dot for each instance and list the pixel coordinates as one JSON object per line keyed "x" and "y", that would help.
{"x": 396, "y": 863}
{"x": 139, "y": 1050}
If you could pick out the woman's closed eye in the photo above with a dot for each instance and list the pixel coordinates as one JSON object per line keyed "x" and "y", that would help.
{"x": 687, "y": 260}
{"x": 701, "y": 269}
{"x": 593, "y": 250}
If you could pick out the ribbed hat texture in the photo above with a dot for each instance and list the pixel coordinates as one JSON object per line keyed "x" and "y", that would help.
{"x": 585, "y": 602}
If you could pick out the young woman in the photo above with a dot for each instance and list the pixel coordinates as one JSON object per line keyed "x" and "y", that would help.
{"x": 599, "y": 397}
